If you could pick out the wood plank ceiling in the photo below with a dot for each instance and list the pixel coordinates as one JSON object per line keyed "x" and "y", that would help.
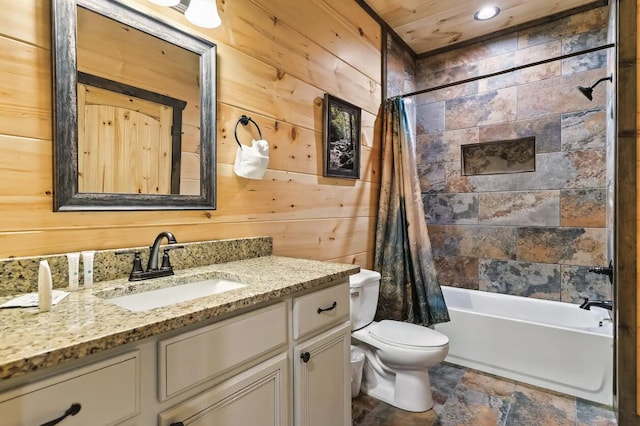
{"x": 434, "y": 25}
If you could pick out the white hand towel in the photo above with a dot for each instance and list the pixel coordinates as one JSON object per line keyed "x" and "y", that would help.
{"x": 251, "y": 162}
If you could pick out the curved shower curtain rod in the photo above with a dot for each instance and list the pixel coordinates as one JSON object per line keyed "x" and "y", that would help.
{"x": 493, "y": 74}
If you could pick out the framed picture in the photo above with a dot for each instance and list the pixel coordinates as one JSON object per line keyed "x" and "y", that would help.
{"x": 341, "y": 138}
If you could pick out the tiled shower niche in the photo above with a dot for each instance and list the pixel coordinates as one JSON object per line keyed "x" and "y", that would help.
{"x": 508, "y": 156}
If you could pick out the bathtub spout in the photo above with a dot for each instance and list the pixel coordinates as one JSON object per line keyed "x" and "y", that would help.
{"x": 587, "y": 304}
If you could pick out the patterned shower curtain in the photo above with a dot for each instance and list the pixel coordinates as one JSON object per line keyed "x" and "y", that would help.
{"x": 409, "y": 290}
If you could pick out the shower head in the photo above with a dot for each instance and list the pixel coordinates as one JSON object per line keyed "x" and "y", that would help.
{"x": 588, "y": 91}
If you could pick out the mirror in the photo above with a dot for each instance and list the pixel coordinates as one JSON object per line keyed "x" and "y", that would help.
{"x": 134, "y": 111}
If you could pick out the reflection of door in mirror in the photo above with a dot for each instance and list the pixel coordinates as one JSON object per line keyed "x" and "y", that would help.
{"x": 125, "y": 141}
{"x": 121, "y": 135}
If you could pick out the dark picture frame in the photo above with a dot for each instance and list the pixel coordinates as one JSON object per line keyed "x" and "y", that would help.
{"x": 341, "y": 138}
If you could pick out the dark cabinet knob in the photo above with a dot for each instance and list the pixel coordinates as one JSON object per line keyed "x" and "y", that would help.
{"x": 177, "y": 424}
{"x": 305, "y": 356}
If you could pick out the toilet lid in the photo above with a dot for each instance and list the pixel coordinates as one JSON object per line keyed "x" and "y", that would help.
{"x": 408, "y": 335}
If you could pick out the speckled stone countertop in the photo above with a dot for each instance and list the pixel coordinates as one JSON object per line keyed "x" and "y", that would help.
{"x": 85, "y": 323}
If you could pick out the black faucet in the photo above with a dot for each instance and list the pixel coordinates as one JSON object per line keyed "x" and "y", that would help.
{"x": 587, "y": 304}
{"x": 152, "y": 264}
{"x": 153, "y": 271}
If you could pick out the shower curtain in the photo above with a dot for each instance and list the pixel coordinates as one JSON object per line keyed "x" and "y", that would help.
{"x": 409, "y": 290}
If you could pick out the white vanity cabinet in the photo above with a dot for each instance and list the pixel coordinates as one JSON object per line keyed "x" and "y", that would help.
{"x": 106, "y": 393}
{"x": 284, "y": 364}
{"x": 321, "y": 358}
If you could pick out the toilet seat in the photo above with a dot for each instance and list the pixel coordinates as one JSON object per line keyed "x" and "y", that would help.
{"x": 406, "y": 335}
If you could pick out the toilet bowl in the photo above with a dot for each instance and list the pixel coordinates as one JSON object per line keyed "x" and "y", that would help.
{"x": 397, "y": 354}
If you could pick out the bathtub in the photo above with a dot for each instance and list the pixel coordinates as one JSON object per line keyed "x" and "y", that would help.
{"x": 553, "y": 345}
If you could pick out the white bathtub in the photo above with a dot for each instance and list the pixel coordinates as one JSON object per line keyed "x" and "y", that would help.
{"x": 549, "y": 344}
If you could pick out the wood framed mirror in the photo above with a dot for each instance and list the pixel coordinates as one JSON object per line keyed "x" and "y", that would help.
{"x": 134, "y": 111}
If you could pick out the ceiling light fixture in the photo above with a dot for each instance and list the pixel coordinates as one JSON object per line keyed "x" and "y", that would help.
{"x": 203, "y": 13}
{"x": 486, "y": 13}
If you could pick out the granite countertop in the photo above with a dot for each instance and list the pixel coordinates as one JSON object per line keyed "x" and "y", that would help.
{"x": 84, "y": 324}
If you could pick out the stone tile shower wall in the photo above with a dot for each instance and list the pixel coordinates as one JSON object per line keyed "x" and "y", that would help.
{"x": 401, "y": 68}
{"x": 532, "y": 234}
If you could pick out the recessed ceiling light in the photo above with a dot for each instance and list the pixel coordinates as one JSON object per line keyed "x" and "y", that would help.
{"x": 486, "y": 12}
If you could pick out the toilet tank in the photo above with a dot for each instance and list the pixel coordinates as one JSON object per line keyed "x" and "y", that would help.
{"x": 364, "y": 287}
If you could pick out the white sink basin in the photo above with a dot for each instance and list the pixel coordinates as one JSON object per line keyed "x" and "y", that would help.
{"x": 144, "y": 301}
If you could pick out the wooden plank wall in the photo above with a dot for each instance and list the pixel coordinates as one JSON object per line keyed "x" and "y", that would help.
{"x": 276, "y": 59}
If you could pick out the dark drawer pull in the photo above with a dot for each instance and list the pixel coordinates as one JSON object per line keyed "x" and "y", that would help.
{"x": 71, "y": 411}
{"x": 305, "y": 357}
{"x": 333, "y": 306}
{"x": 177, "y": 424}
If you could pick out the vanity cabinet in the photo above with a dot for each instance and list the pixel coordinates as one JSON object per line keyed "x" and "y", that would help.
{"x": 321, "y": 362}
{"x": 106, "y": 393}
{"x": 284, "y": 364}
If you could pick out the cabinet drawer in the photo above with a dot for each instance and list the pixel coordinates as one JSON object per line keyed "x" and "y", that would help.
{"x": 107, "y": 391}
{"x": 200, "y": 355}
{"x": 319, "y": 309}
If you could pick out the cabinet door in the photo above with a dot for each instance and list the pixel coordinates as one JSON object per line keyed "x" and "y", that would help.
{"x": 322, "y": 392}
{"x": 256, "y": 397}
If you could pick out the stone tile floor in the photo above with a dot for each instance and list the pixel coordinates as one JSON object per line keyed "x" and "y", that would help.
{"x": 468, "y": 397}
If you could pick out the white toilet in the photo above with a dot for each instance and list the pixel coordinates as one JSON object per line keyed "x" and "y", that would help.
{"x": 397, "y": 353}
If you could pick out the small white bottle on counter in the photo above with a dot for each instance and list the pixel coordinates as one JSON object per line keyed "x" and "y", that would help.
{"x": 87, "y": 262}
{"x": 45, "y": 287}
{"x": 74, "y": 264}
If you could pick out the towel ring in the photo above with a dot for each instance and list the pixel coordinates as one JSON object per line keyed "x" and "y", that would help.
{"x": 245, "y": 121}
